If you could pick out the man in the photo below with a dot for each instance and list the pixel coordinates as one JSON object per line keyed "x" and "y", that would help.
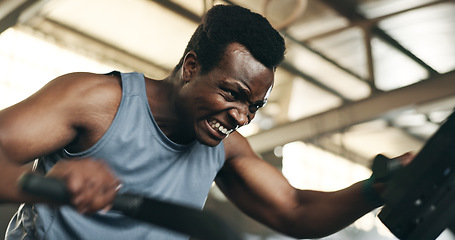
{"x": 168, "y": 139}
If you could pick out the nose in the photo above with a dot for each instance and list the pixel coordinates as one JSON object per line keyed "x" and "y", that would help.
{"x": 240, "y": 115}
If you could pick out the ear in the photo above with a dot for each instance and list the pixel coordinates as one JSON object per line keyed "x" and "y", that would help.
{"x": 189, "y": 67}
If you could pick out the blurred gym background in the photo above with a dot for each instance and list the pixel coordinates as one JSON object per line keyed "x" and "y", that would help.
{"x": 361, "y": 77}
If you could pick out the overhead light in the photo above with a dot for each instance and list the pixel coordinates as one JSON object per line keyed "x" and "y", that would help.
{"x": 439, "y": 116}
{"x": 410, "y": 120}
{"x": 425, "y": 131}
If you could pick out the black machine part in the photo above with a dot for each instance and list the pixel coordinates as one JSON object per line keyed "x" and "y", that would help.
{"x": 183, "y": 219}
{"x": 420, "y": 198}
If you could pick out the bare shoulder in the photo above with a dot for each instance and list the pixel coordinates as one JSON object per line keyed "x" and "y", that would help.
{"x": 82, "y": 86}
{"x": 91, "y": 102}
{"x": 82, "y": 92}
{"x": 69, "y": 91}
{"x": 72, "y": 108}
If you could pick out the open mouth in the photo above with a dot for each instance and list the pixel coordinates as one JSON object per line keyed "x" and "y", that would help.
{"x": 220, "y": 128}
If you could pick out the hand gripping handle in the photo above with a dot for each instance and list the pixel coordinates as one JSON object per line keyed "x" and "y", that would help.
{"x": 187, "y": 220}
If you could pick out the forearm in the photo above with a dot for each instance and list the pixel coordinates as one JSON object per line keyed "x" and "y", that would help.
{"x": 323, "y": 213}
{"x": 10, "y": 173}
{"x": 261, "y": 191}
{"x": 299, "y": 213}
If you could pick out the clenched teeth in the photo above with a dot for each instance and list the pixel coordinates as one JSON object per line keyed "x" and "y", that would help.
{"x": 216, "y": 125}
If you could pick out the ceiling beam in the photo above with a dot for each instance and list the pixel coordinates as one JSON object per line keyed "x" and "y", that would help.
{"x": 10, "y": 11}
{"x": 178, "y": 9}
{"x": 68, "y": 37}
{"x": 347, "y": 9}
{"x": 306, "y": 45}
{"x": 293, "y": 70}
{"x": 353, "y": 113}
{"x": 367, "y": 23}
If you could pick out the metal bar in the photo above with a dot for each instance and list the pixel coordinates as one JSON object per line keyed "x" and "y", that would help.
{"x": 387, "y": 38}
{"x": 369, "y": 57}
{"x": 179, "y": 10}
{"x": 370, "y": 22}
{"x": 67, "y": 36}
{"x": 288, "y": 67}
{"x": 356, "y": 112}
{"x": 355, "y": 16}
{"x": 329, "y": 60}
{"x": 11, "y": 17}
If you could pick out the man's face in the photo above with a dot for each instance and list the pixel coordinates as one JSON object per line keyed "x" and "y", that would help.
{"x": 227, "y": 97}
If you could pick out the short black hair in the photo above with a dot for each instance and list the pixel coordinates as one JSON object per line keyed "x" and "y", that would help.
{"x": 225, "y": 24}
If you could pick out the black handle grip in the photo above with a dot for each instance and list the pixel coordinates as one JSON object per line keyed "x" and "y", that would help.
{"x": 202, "y": 225}
{"x": 383, "y": 167}
{"x": 55, "y": 189}
{"x": 45, "y": 187}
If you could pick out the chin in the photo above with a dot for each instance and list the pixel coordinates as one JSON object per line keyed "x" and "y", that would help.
{"x": 208, "y": 141}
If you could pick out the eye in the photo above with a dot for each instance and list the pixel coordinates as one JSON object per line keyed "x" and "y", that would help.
{"x": 230, "y": 95}
{"x": 254, "y": 107}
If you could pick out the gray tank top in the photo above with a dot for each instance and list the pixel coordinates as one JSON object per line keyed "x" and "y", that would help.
{"x": 145, "y": 160}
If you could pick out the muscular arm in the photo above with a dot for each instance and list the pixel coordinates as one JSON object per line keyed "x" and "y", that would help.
{"x": 63, "y": 111}
{"x": 261, "y": 191}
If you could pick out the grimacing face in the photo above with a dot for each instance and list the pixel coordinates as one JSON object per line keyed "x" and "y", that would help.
{"x": 227, "y": 97}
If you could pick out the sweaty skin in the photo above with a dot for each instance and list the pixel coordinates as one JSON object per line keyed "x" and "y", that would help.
{"x": 75, "y": 110}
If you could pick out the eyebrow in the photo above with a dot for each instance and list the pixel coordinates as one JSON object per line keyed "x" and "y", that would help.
{"x": 246, "y": 92}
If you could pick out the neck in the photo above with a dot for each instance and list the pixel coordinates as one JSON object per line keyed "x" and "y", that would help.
{"x": 164, "y": 104}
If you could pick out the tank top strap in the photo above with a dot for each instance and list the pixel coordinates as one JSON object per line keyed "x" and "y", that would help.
{"x": 133, "y": 83}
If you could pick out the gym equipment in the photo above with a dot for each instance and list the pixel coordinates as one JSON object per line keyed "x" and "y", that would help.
{"x": 186, "y": 220}
{"x": 420, "y": 197}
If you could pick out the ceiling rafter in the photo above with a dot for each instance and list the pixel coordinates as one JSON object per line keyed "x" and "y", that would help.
{"x": 432, "y": 89}
{"x": 179, "y": 10}
{"x": 347, "y": 9}
{"x": 289, "y": 67}
{"x": 13, "y": 11}
{"x": 367, "y": 23}
{"x": 305, "y": 44}
{"x": 66, "y": 37}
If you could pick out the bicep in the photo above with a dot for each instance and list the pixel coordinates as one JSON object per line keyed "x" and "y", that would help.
{"x": 254, "y": 185}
